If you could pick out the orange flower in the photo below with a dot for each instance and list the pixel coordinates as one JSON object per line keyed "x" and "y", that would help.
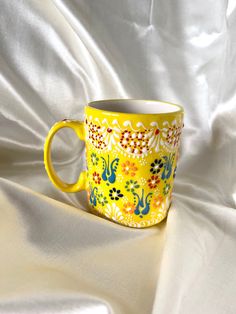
{"x": 128, "y": 208}
{"x": 129, "y": 168}
{"x": 153, "y": 181}
{"x": 157, "y": 200}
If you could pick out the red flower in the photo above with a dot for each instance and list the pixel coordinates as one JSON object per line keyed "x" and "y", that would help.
{"x": 96, "y": 177}
{"x": 153, "y": 181}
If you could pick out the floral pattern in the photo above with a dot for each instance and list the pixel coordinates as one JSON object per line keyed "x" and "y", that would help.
{"x": 134, "y": 142}
{"x": 96, "y": 177}
{"x": 157, "y": 201}
{"x": 112, "y": 211}
{"x": 102, "y": 199}
{"x": 156, "y": 166}
{"x": 171, "y": 134}
{"x": 128, "y": 208}
{"x": 131, "y": 185}
{"x": 115, "y": 194}
{"x": 131, "y": 168}
{"x": 153, "y": 182}
{"x": 111, "y": 135}
{"x": 94, "y": 159}
{"x": 96, "y": 136}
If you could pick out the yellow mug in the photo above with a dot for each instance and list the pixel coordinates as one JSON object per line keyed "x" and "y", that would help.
{"x": 131, "y": 152}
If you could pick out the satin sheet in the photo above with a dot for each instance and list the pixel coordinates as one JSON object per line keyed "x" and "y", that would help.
{"x": 55, "y": 56}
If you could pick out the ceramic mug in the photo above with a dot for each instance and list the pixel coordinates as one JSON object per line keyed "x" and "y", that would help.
{"x": 131, "y": 154}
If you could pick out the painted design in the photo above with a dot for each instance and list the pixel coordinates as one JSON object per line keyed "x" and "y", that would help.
{"x": 131, "y": 185}
{"x": 128, "y": 208}
{"x": 131, "y": 167}
{"x": 171, "y": 133}
{"x": 93, "y": 196}
{"x": 109, "y": 169}
{"x": 94, "y": 159}
{"x": 115, "y": 194}
{"x": 153, "y": 182}
{"x": 135, "y": 141}
{"x": 102, "y": 200}
{"x": 96, "y": 177}
{"x": 157, "y": 201}
{"x": 156, "y": 166}
{"x": 168, "y": 165}
{"x": 112, "y": 211}
{"x": 96, "y": 136}
{"x": 142, "y": 203}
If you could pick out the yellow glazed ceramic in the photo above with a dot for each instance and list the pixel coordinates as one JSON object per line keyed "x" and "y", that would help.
{"x": 131, "y": 151}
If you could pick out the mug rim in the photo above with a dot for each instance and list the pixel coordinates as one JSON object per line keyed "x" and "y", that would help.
{"x": 91, "y": 103}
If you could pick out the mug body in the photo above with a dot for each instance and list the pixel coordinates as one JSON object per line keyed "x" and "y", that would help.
{"x": 131, "y": 151}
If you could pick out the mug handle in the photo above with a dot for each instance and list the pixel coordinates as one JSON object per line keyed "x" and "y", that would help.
{"x": 78, "y": 127}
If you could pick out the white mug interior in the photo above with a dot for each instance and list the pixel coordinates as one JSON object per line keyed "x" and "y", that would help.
{"x": 135, "y": 106}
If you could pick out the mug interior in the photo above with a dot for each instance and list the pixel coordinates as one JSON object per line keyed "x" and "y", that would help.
{"x": 135, "y": 106}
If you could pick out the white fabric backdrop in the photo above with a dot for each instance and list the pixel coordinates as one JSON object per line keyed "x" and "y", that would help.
{"x": 55, "y": 56}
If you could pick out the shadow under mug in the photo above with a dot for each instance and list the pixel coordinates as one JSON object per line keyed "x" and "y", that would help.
{"x": 131, "y": 155}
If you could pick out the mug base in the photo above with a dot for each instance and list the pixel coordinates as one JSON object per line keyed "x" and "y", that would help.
{"x": 131, "y": 224}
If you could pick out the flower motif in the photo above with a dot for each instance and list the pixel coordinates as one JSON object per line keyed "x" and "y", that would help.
{"x": 125, "y": 138}
{"x": 110, "y": 136}
{"x": 102, "y": 199}
{"x": 156, "y": 166}
{"x": 154, "y": 139}
{"x": 95, "y": 135}
{"x": 157, "y": 201}
{"x": 153, "y": 181}
{"x": 113, "y": 212}
{"x": 131, "y": 185}
{"x": 96, "y": 177}
{"x": 171, "y": 134}
{"x": 115, "y": 194}
{"x": 94, "y": 159}
{"x": 125, "y": 135}
{"x": 128, "y": 208}
{"x": 166, "y": 189}
{"x": 134, "y": 142}
{"x": 129, "y": 168}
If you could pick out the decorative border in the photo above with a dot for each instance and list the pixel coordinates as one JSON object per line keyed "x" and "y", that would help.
{"x": 133, "y": 140}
